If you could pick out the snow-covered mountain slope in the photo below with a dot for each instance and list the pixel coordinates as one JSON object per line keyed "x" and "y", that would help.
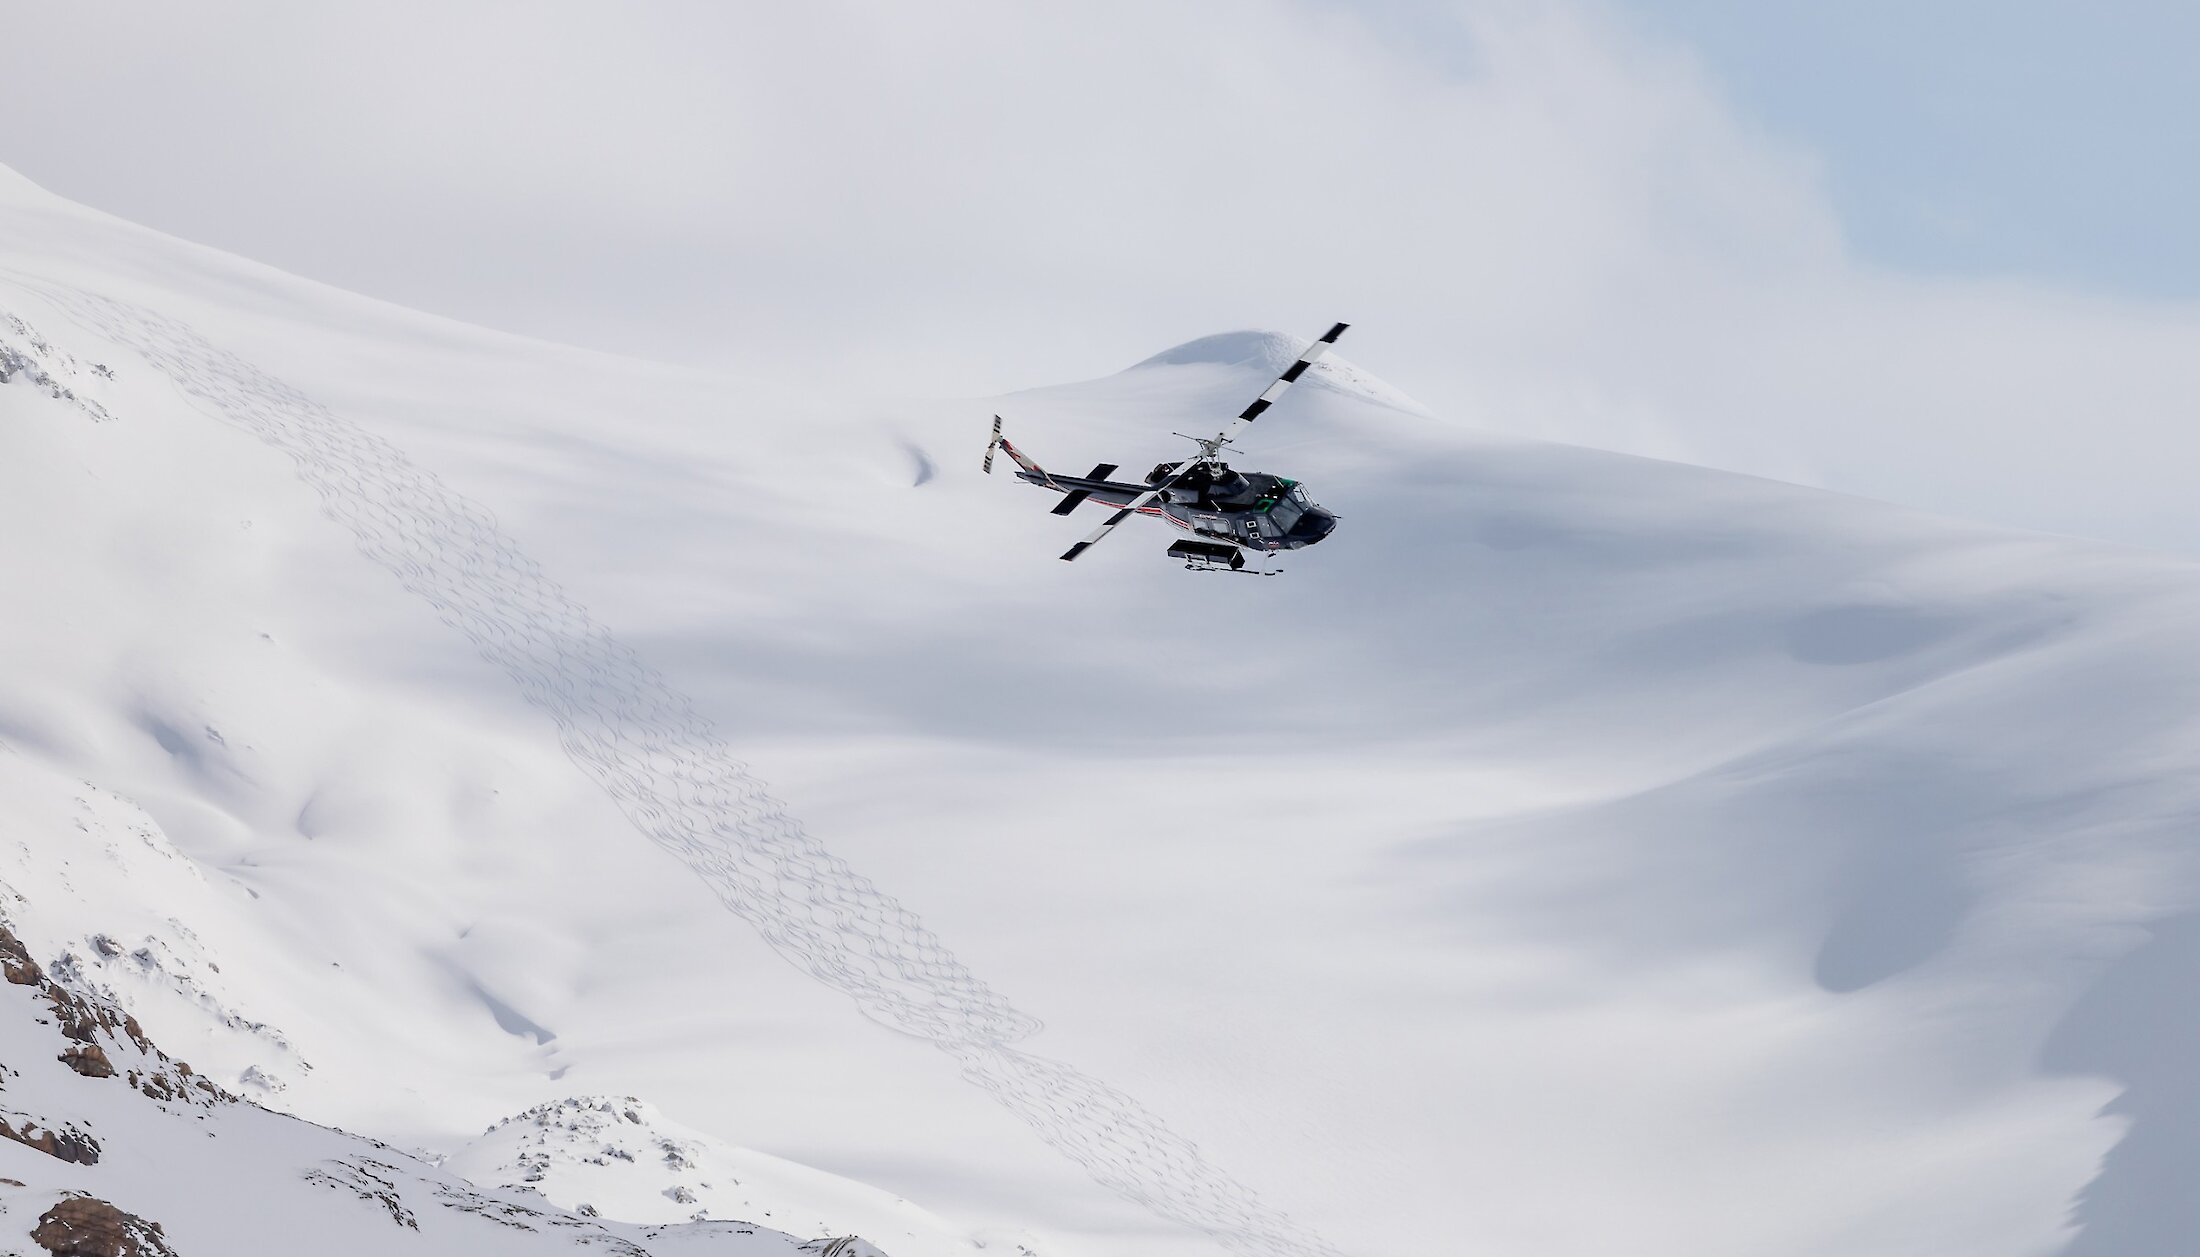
{"x": 112, "y": 1148}
{"x": 1574, "y": 854}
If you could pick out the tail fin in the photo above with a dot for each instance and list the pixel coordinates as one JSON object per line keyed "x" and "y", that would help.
{"x": 1002, "y": 442}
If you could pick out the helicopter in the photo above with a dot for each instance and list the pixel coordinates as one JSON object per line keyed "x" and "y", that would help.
{"x": 1226, "y": 511}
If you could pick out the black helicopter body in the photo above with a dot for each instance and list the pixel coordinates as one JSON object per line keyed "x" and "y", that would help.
{"x": 1225, "y": 511}
{"x": 1216, "y": 502}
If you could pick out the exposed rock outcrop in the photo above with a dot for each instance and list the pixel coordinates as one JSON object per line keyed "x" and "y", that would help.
{"x": 25, "y": 355}
{"x": 842, "y": 1246}
{"x": 67, "y": 1144}
{"x": 82, "y": 1226}
{"x": 88, "y": 1059}
{"x": 15, "y": 961}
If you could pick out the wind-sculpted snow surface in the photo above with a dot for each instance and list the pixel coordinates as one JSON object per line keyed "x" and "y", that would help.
{"x": 675, "y": 779}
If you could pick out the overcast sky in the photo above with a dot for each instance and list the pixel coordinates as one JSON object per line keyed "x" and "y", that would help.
{"x": 1941, "y": 256}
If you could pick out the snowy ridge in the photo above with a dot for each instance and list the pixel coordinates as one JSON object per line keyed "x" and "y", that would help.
{"x": 181, "y": 1168}
{"x": 618, "y": 1157}
{"x": 1268, "y": 353}
{"x": 649, "y": 749}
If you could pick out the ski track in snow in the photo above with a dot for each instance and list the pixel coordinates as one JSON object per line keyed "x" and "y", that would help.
{"x": 661, "y": 761}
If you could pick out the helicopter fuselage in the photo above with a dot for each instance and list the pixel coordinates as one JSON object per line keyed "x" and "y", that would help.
{"x": 1250, "y": 509}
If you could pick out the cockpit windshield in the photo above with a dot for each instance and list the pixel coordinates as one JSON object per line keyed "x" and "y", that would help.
{"x": 1290, "y": 503}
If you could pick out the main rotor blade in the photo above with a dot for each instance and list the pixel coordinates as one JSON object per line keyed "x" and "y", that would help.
{"x": 1291, "y": 375}
{"x": 1070, "y": 555}
{"x": 1132, "y": 508}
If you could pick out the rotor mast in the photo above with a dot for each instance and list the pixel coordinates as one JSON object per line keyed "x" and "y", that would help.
{"x": 1210, "y": 448}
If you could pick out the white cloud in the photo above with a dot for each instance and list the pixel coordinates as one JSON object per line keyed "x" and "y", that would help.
{"x": 1543, "y": 221}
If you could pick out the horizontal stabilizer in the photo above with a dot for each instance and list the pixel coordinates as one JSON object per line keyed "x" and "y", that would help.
{"x": 1071, "y": 499}
{"x": 1102, "y": 471}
